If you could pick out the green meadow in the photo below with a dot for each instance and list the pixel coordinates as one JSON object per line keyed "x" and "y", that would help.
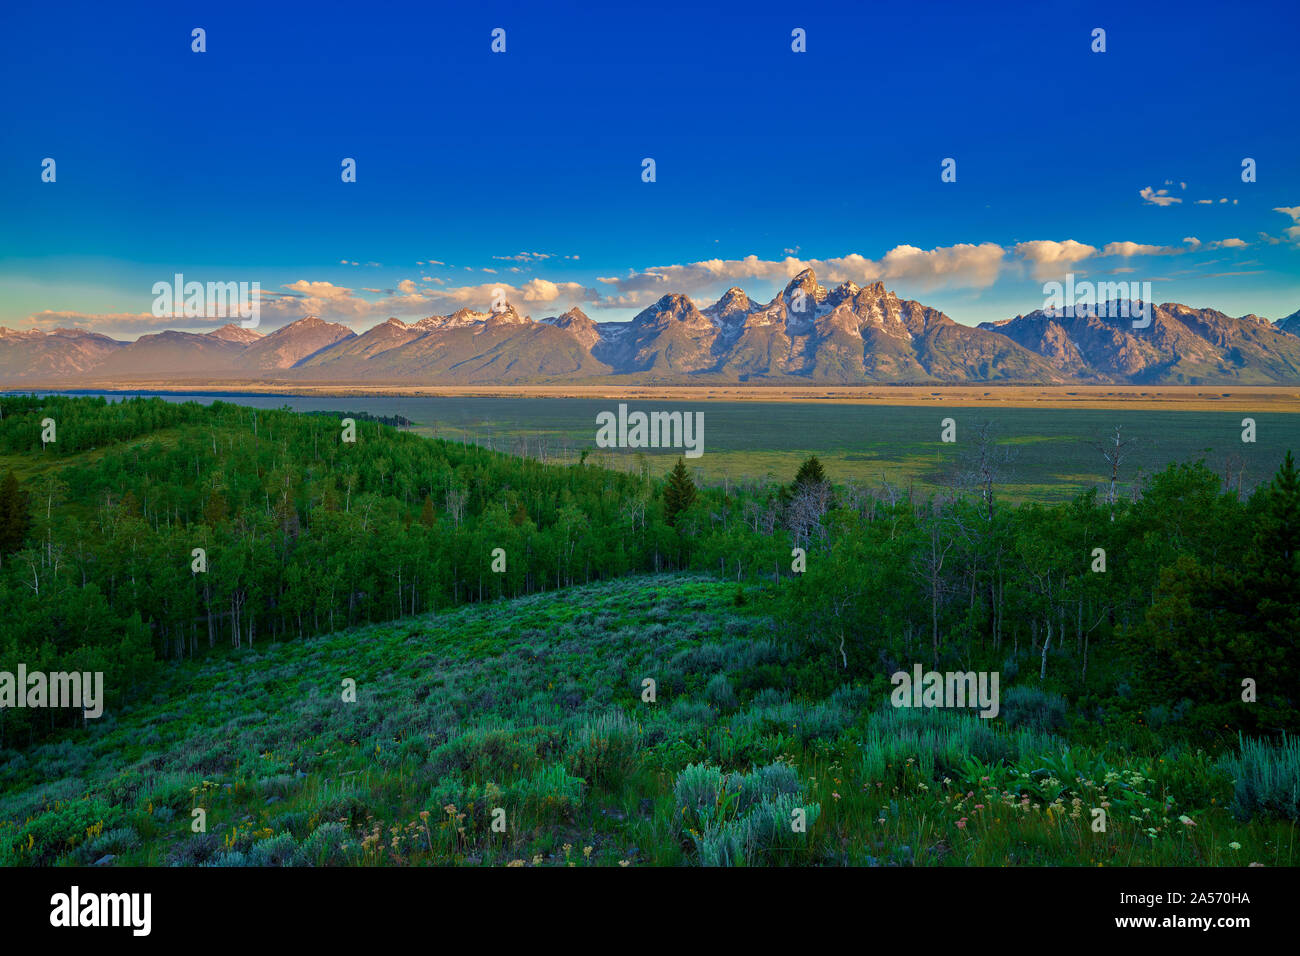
{"x": 1053, "y": 453}
{"x": 404, "y": 650}
{"x": 537, "y": 707}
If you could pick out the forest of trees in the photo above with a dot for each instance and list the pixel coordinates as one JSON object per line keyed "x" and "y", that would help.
{"x": 150, "y": 531}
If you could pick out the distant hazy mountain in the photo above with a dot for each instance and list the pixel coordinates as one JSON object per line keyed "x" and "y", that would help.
{"x": 463, "y": 348}
{"x": 35, "y": 355}
{"x": 236, "y": 333}
{"x": 1181, "y": 346}
{"x": 163, "y": 355}
{"x": 295, "y": 343}
{"x": 807, "y": 333}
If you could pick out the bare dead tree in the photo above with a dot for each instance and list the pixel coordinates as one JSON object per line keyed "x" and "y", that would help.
{"x": 805, "y": 511}
{"x": 983, "y": 464}
{"x": 1116, "y": 450}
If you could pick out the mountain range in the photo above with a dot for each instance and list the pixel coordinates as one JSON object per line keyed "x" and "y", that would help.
{"x": 806, "y": 334}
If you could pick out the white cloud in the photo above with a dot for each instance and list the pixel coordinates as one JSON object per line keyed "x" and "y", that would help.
{"x": 1293, "y": 231}
{"x": 1048, "y": 258}
{"x": 527, "y": 257}
{"x": 962, "y": 265}
{"x": 1158, "y": 197}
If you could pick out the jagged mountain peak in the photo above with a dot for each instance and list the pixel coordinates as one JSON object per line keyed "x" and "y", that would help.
{"x": 1180, "y": 344}
{"x": 734, "y": 297}
{"x": 850, "y": 334}
{"x": 805, "y": 280}
{"x": 733, "y": 307}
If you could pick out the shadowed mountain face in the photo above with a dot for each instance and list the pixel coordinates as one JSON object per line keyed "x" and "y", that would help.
{"x": 806, "y": 334}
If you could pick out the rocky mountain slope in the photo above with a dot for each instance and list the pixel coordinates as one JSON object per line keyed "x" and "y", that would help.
{"x": 807, "y": 333}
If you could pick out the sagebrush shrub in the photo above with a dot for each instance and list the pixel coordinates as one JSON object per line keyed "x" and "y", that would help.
{"x": 323, "y": 846}
{"x": 1034, "y": 708}
{"x": 1266, "y": 779}
{"x": 741, "y": 819}
{"x": 719, "y": 693}
{"x": 278, "y": 850}
{"x": 484, "y": 754}
{"x": 695, "y": 794}
{"x": 604, "y": 750}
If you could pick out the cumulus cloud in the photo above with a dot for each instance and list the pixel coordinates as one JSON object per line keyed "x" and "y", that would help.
{"x": 974, "y": 266}
{"x": 1047, "y": 258}
{"x": 410, "y": 300}
{"x": 1292, "y": 231}
{"x": 962, "y": 265}
{"x": 1158, "y": 197}
{"x": 909, "y": 269}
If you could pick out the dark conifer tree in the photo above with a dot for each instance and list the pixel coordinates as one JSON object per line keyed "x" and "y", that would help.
{"x": 680, "y": 493}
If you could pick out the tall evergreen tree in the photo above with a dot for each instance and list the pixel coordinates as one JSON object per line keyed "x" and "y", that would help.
{"x": 810, "y": 472}
{"x": 680, "y": 493}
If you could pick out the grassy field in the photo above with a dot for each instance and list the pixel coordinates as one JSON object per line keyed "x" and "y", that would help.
{"x": 536, "y": 707}
{"x": 1052, "y": 452}
{"x": 1052, "y": 449}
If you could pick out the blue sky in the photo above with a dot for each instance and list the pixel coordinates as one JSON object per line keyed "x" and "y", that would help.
{"x": 225, "y": 165}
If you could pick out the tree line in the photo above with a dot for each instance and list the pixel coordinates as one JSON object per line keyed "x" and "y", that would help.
{"x": 152, "y": 531}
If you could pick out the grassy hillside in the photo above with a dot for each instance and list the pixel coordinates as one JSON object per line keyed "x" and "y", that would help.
{"x": 535, "y": 706}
